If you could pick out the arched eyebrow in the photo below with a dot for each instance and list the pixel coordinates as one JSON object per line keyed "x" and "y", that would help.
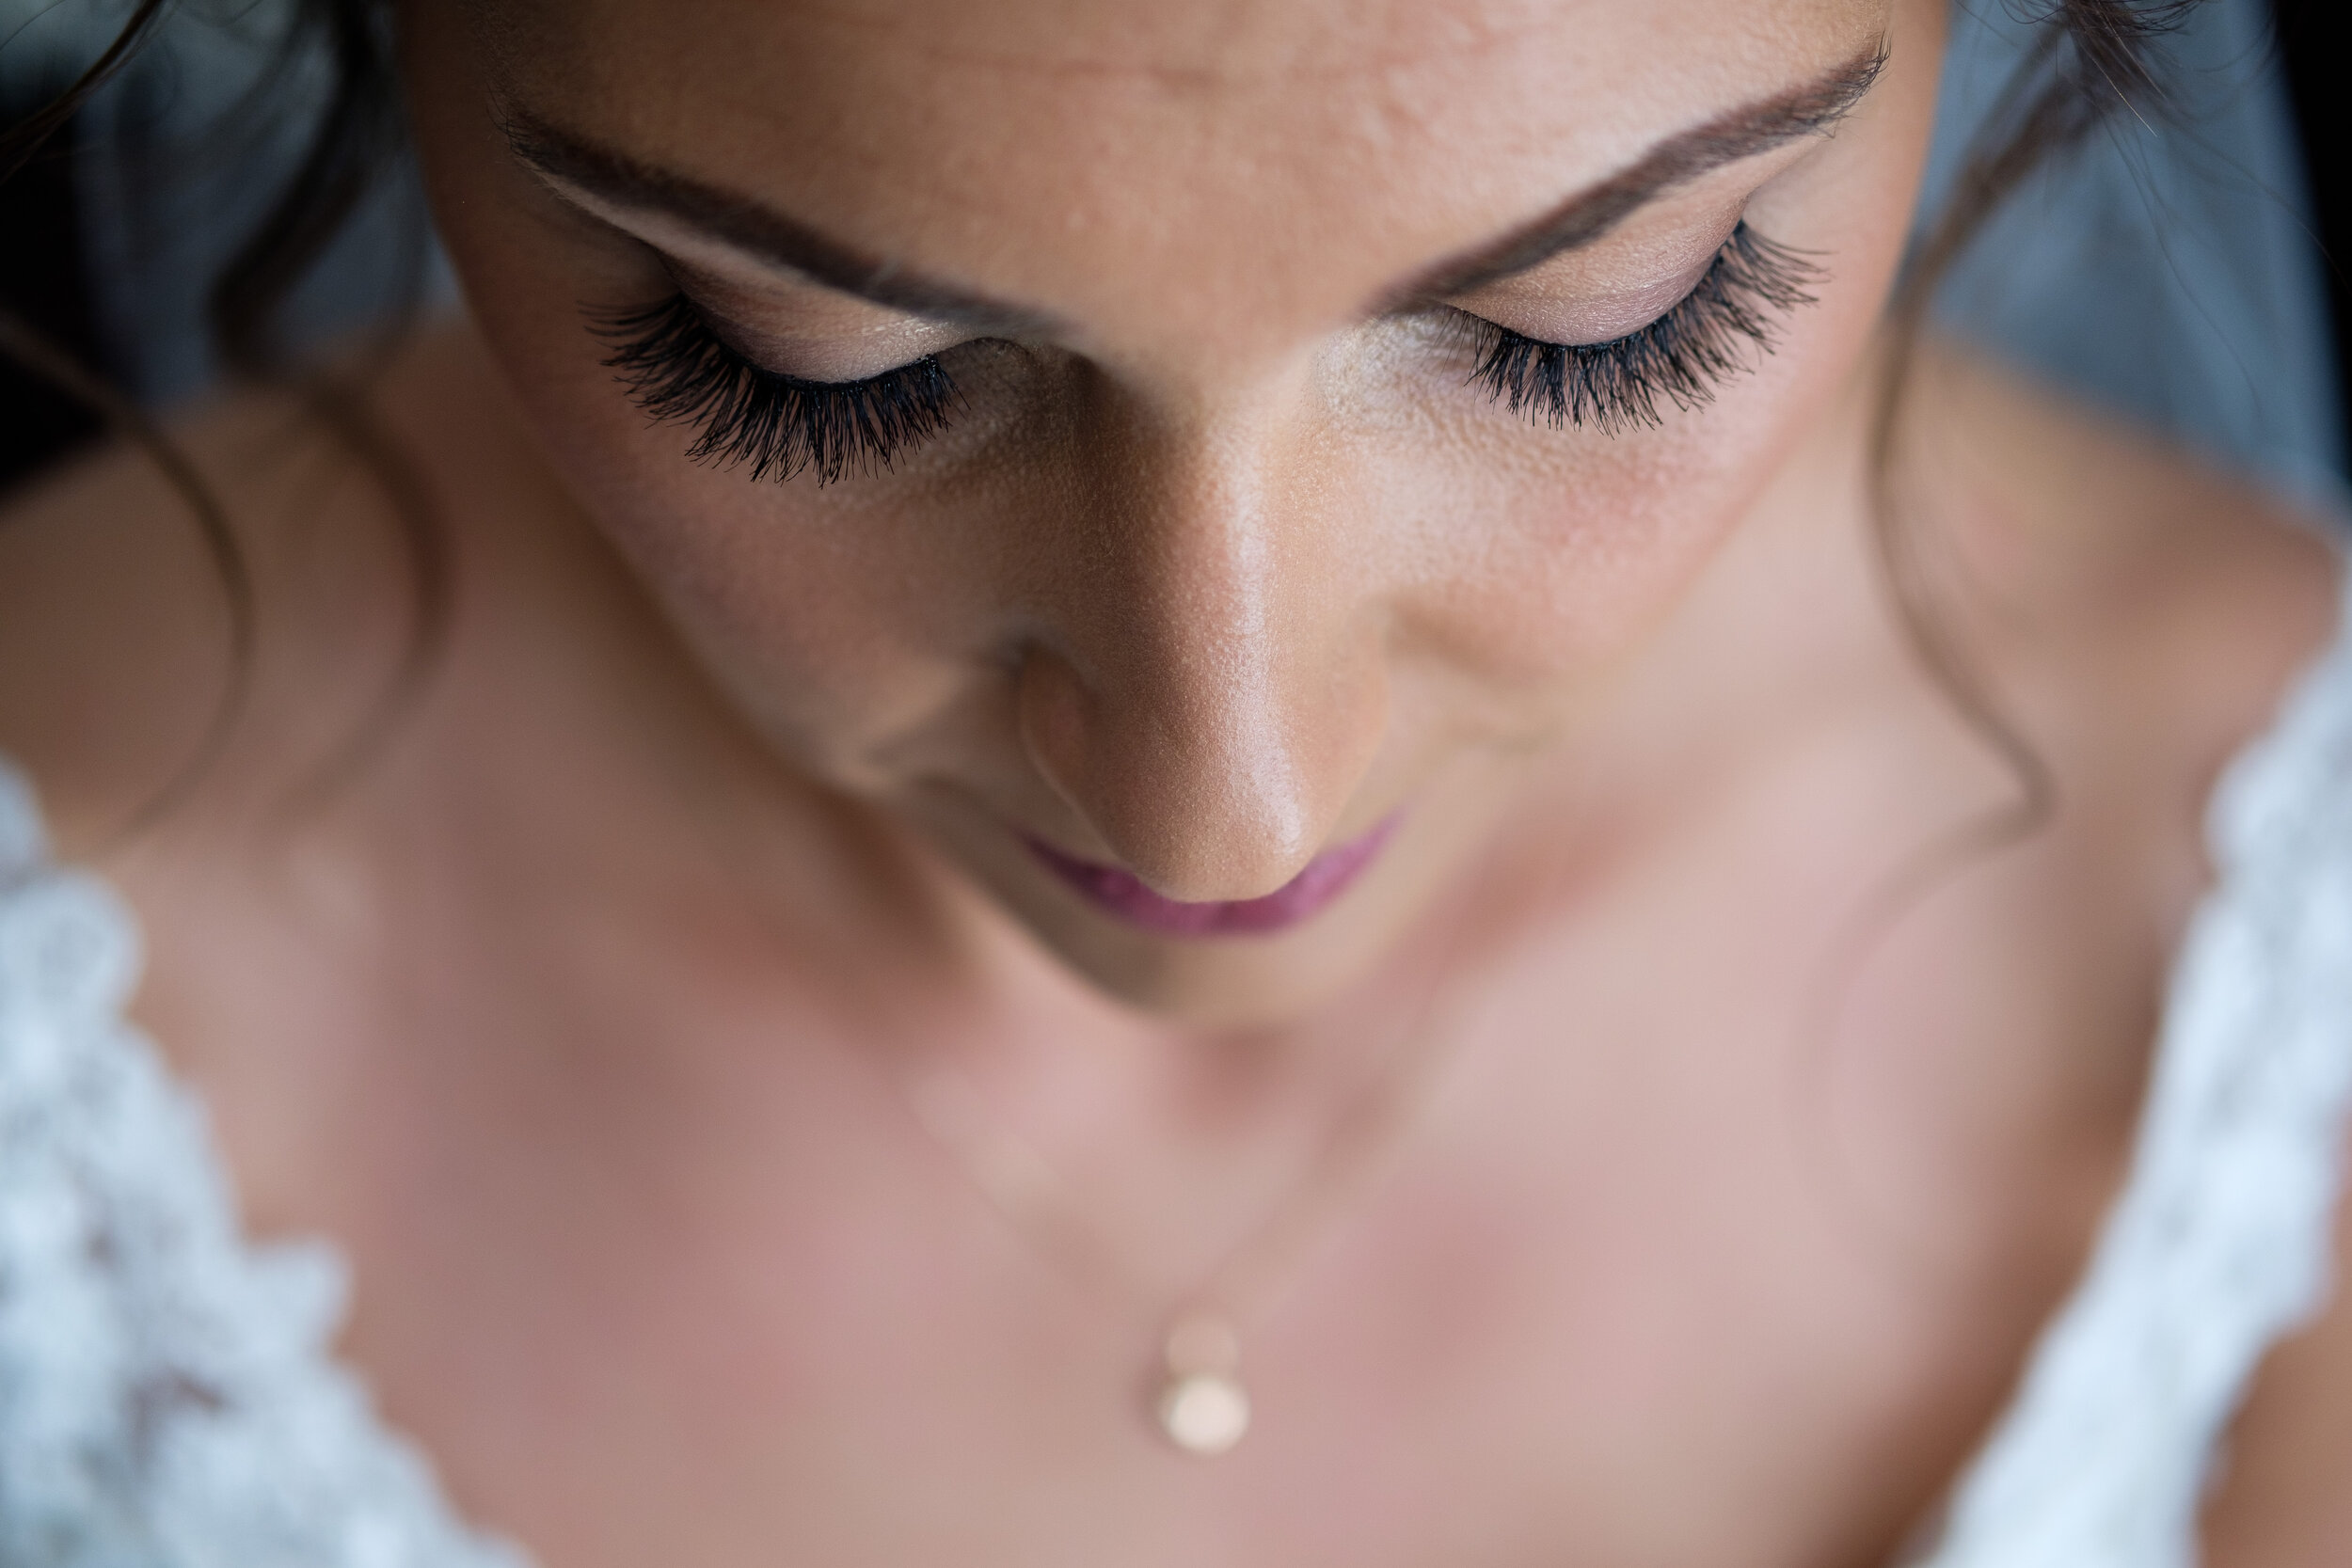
{"x": 757, "y": 230}
{"x": 1811, "y": 110}
{"x": 784, "y": 241}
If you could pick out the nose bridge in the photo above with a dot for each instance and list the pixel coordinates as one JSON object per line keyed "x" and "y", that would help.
{"x": 1200, "y": 714}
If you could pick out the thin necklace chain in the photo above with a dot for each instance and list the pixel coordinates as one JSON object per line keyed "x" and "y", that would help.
{"x": 1202, "y": 1404}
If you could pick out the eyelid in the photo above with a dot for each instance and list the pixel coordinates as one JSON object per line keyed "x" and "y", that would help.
{"x": 837, "y": 357}
{"x": 1676, "y": 233}
{"x": 1620, "y": 287}
{"x": 678, "y": 370}
{"x": 1680, "y": 358}
{"x": 1590, "y": 320}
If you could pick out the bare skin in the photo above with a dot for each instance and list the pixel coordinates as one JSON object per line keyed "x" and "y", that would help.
{"x": 574, "y": 1018}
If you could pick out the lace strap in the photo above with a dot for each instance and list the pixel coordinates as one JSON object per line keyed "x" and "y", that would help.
{"x": 167, "y": 1398}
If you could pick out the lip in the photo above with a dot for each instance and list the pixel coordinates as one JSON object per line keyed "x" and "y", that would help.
{"x": 1121, "y": 894}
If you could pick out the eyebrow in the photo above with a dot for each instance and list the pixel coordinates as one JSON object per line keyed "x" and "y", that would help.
{"x": 758, "y": 230}
{"x": 1811, "y": 110}
{"x": 783, "y": 240}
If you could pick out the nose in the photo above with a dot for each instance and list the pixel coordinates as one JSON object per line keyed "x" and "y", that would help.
{"x": 1212, "y": 688}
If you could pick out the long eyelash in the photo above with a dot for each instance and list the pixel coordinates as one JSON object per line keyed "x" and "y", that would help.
{"x": 1681, "y": 356}
{"x": 675, "y": 367}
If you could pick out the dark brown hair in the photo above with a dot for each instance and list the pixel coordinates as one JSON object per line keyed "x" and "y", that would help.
{"x": 2090, "y": 59}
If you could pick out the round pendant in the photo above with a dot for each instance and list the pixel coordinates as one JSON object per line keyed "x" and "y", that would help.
{"x": 1202, "y": 1406}
{"x": 1204, "y": 1413}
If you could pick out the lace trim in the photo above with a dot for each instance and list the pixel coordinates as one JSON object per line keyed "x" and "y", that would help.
{"x": 168, "y": 1399}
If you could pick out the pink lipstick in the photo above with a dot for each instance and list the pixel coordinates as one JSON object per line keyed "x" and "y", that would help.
{"x": 1121, "y": 894}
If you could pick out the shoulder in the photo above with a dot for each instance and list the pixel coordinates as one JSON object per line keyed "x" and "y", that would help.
{"x": 2127, "y": 548}
{"x": 2147, "y": 615}
{"x": 101, "y": 564}
{"x": 121, "y": 619}
{"x": 2183, "y": 605}
{"x": 2150, "y": 609}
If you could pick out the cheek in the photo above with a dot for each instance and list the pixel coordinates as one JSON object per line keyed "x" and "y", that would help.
{"x": 1586, "y": 542}
{"x": 1589, "y": 541}
{"x": 1552, "y": 556}
{"x": 838, "y": 628}
{"x": 820, "y": 613}
{"x": 1555, "y": 576}
{"x": 820, "y": 625}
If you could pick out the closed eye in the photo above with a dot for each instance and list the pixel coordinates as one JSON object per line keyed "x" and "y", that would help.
{"x": 679, "y": 370}
{"x": 1680, "y": 358}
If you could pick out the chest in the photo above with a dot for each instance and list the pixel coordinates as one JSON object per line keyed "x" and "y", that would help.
{"x": 1683, "y": 1263}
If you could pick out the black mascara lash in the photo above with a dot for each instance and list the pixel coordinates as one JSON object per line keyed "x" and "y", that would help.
{"x": 677, "y": 369}
{"x": 1680, "y": 358}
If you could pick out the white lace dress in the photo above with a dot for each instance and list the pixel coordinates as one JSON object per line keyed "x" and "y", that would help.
{"x": 166, "y": 1398}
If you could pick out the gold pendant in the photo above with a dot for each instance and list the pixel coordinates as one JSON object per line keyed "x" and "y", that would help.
{"x": 1202, "y": 1406}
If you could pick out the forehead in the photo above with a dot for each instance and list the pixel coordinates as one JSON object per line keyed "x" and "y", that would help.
{"x": 1252, "y": 143}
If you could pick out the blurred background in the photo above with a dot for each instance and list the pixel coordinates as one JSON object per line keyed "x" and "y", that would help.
{"x": 2312, "y": 55}
{"x": 2176, "y": 273}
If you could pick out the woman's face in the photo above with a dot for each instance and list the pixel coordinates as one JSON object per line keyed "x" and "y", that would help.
{"x": 1193, "y": 461}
